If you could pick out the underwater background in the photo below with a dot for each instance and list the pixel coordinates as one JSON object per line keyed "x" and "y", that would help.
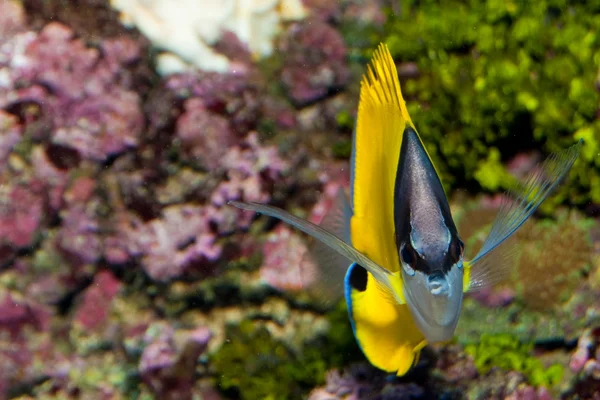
{"x": 127, "y": 125}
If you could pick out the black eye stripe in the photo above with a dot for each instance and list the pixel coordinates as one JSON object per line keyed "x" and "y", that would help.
{"x": 358, "y": 278}
{"x": 408, "y": 255}
{"x": 455, "y": 250}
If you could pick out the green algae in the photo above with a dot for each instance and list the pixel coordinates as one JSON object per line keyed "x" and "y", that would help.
{"x": 251, "y": 364}
{"x": 497, "y": 78}
{"x": 342, "y": 149}
{"x": 508, "y": 353}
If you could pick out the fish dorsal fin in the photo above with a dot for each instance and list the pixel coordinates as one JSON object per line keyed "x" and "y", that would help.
{"x": 381, "y": 85}
{"x": 493, "y": 262}
{"x": 382, "y": 119}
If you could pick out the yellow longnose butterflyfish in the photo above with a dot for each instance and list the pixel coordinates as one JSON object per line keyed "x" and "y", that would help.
{"x": 405, "y": 273}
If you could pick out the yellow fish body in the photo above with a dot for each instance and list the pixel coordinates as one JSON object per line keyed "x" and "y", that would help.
{"x": 406, "y": 279}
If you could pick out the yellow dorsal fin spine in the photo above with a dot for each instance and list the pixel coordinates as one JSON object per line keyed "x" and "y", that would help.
{"x": 384, "y": 328}
{"x": 380, "y": 85}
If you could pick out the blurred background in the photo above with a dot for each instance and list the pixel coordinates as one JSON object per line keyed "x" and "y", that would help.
{"x": 127, "y": 125}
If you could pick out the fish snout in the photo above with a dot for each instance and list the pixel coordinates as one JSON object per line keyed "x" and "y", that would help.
{"x": 438, "y": 285}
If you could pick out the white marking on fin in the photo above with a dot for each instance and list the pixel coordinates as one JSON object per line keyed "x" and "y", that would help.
{"x": 491, "y": 264}
{"x": 381, "y": 274}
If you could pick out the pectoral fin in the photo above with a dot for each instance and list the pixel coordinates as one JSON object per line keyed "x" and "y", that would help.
{"x": 381, "y": 274}
{"x": 492, "y": 263}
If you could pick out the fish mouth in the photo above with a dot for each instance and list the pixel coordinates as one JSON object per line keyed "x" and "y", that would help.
{"x": 435, "y": 302}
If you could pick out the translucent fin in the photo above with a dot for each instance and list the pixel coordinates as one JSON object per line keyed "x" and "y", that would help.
{"x": 494, "y": 267}
{"x": 381, "y": 274}
{"x": 328, "y": 286}
{"x": 490, "y": 265}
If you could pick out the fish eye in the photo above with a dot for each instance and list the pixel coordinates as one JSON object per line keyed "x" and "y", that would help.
{"x": 408, "y": 258}
{"x": 455, "y": 250}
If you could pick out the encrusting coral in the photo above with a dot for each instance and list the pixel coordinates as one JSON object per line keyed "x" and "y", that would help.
{"x": 498, "y": 77}
{"x": 125, "y": 274}
{"x": 191, "y": 36}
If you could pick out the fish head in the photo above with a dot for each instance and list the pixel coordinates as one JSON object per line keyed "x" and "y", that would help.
{"x": 433, "y": 289}
{"x": 430, "y": 251}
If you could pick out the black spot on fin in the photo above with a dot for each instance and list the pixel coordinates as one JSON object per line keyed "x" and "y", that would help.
{"x": 358, "y": 278}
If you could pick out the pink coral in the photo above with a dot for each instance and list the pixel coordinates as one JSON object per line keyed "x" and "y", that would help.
{"x": 20, "y": 320}
{"x": 168, "y": 369}
{"x": 54, "y": 179}
{"x": 16, "y": 314}
{"x": 582, "y": 353}
{"x": 10, "y": 135}
{"x": 360, "y": 382}
{"x": 249, "y": 168}
{"x": 185, "y": 235}
{"x": 204, "y": 135}
{"x": 21, "y": 211}
{"x": 12, "y": 18}
{"x": 525, "y": 392}
{"x": 233, "y": 96}
{"x": 338, "y": 387}
{"x": 323, "y": 10}
{"x": 286, "y": 264}
{"x": 495, "y": 297}
{"x": 315, "y": 61}
{"x": 79, "y": 235}
{"x": 82, "y": 92}
{"x": 95, "y": 305}
{"x": 181, "y": 237}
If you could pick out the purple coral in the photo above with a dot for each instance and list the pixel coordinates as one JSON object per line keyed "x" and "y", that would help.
{"x": 54, "y": 179}
{"x": 181, "y": 237}
{"x": 12, "y": 19}
{"x": 10, "y": 135}
{"x": 16, "y": 314}
{"x": 205, "y": 136}
{"x": 233, "y": 96}
{"x": 586, "y": 357}
{"x": 249, "y": 168}
{"x": 168, "y": 369}
{"x": 19, "y": 319}
{"x": 82, "y": 91}
{"x": 360, "y": 382}
{"x": 79, "y": 235}
{"x": 315, "y": 61}
{"x": 95, "y": 305}
{"x": 339, "y": 386}
{"x": 287, "y": 263}
{"x": 185, "y": 235}
{"x": 21, "y": 211}
{"x": 525, "y": 392}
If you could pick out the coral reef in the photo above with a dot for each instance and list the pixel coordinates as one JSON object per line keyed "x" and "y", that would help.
{"x": 78, "y": 96}
{"x": 125, "y": 274}
{"x": 167, "y": 369}
{"x": 314, "y": 62}
{"x": 496, "y": 77}
{"x": 359, "y": 383}
{"x": 254, "y": 363}
{"x": 506, "y": 352}
{"x": 192, "y": 35}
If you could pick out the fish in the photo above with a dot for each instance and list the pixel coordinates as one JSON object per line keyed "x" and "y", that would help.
{"x": 394, "y": 243}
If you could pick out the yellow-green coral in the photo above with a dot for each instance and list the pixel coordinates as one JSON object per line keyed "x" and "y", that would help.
{"x": 251, "y": 364}
{"x": 511, "y": 76}
{"x": 508, "y": 353}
